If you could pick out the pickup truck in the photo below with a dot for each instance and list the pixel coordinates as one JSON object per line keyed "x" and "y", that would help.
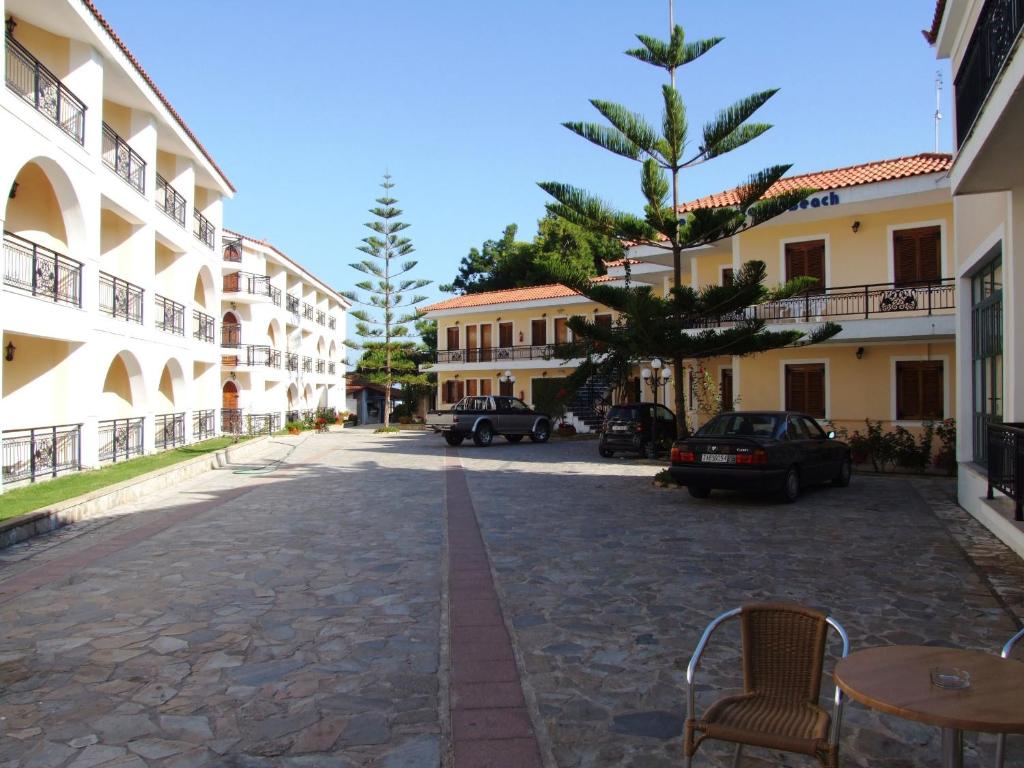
{"x": 484, "y": 417}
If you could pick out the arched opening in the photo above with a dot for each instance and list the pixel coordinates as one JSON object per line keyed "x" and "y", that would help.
{"x": 275, "y": 334}
{"x": 321, "y": 347}
{"x": 293, "y": 397}
{"x": 122, "y": 391}
{"x": 332, "y": 353}
{"x": 34, "y": 211}
{"x": 230, "y": 330}
{"x": 165, "y": 391}
{"x": 203, "y": 293}
{"x": 307, "y": 396}
{"x": 229, "y": 396}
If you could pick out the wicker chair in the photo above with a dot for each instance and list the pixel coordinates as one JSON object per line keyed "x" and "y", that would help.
{"x": 783, "y": 656}
{"x": 1001, "y": 738}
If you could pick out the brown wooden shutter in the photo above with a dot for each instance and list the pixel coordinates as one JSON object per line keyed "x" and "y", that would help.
{"x": 561, "y": 330}
{"x": 805, "y": 389}
{"x": 728, "y": 276}
{"x": 453, "y": 337}
{"x": 727, "y": 389}
{"x": 505, "y": 334}
{"x": 538, "y": 332}
{"x": 471, "y": 387}
{"x": 505, "y": 388}
{"x": 485, "y": 387}
{"x": 919, "y": 389}
{"x": 460, "y": 390}
{"x": 917, "y": 255}
{"x": 807, "y": 259}
{"x": 928, "y": 244}
{"x": 931, "y": 392}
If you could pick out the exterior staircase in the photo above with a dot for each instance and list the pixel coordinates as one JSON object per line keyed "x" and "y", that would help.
{"x": 580, "y": 410}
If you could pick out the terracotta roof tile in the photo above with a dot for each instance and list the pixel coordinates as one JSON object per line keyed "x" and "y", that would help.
{"x": 622, "y": 262}
{"x": 837, "y": 178}
{"x": 932, "y": 34}
{"x": 509, "y": 295}
{"x": 149, "y": 81}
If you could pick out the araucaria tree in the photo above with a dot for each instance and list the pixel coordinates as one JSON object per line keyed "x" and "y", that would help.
{"x": 686, "y": 323}
{"x": 384, "y": 324}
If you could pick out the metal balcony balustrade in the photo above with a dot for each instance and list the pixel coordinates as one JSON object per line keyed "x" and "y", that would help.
{"x": 123, "y": 160}
{"x": 249, "y": 282}
{"x": 291, "y": 361}
{"x": 202, "y": 326}
{"x": 120, "y": 299}
{"x": 30, "y": 268}
{"x": 999, "y": 25}
{"x": 307, "y": 364}
{"x": 489, "y": 354}
{"x": 291, "y": 416}
{"x": 332, "y": 322}
{"x": 169, "y": 430}
{"x": 121, "y": 439}
{"x": 307, "y": 311}
{"x": 275, "y": 295}
{"x": 260, "y": 354}
{"x": 331, "y": 369}
{"x": 1006, "y": 464}
{"x": 321, "y": 366}
{"x": 29, "y": 454}
{"x": 232, "y": 250}
{"x": 204, "y": 424}
{"x": 230, "y": 335}
{"x": 262, "y": 423}
{"x": 321, "y": 317}
{"x": 170, "y": 316}
{"x": 202, "y": 228}
{"x": 231, "y": 421}
{"x": 170, "y": 201}
{"x": 292, "y": 303}
{"x": 38, "y": 86}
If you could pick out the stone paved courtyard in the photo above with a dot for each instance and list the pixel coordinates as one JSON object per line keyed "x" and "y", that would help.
{"x": 302, "y": 617}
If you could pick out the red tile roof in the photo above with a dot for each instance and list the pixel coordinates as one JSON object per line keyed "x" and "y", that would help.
{"x": 622, "y": 262}
{"x": 932, "y": 34}
{"x": 149, "y": 81}
{"x": 837, "y": 178}
{"x": 509, "y": 295}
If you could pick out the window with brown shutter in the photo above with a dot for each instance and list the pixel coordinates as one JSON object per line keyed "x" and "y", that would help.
{"x": 726, "y": 388}
{"x": 453, "y": 337}
{"x": 917, "y": 255}
{"x": 604, "y": 321}
{"x": 561, "y": 330}
{"x": 471, "y": 388}
{"x": 805, "y": 389}
{"x": 485, "y": 387}
{"x": 728, "y": 276}
{"x": 538, "y": 332}
{"x": 504, "y": 334}
{"x": 919, "y": 389}
{"x": 807, "y": 259}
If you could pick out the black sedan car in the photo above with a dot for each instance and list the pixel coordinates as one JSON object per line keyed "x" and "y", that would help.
{"x": 637, "y": 428}
{"x": 777, "y": 451}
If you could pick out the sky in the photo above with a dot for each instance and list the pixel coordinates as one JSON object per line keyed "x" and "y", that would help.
{"x": 306, "y": 105}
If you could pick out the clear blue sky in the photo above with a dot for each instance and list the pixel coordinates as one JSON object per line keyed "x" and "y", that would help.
{"x": 305, "y": 105}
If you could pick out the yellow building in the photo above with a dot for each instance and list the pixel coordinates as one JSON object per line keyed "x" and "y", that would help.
{"x": 877, "y": 236}
{"x": 982, "y": 40}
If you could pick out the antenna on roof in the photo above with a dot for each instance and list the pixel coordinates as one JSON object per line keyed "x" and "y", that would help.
{"x": 938, "y": 106}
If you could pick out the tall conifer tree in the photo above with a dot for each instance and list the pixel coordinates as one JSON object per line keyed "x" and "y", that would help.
{"x": 384, "y": 324}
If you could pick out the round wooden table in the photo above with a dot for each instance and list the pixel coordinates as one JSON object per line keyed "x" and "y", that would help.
{"x": 896, "y": 679}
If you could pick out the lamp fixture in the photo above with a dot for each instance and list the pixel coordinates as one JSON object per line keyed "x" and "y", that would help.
{"x": 233, "y": 377}
{"x": 14, "y": 190}
{"x": 855, "y": 226}
{"x": 860, "y": 353}
{"x": 10, "y": 24}
{"x": 9, "y": 351}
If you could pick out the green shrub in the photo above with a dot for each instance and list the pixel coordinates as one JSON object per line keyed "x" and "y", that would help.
{"x": 294, "y": 425}
{"x": 945, "y": 457}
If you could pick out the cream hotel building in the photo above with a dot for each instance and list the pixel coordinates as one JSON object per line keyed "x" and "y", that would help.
{"x": 131, "y": 322}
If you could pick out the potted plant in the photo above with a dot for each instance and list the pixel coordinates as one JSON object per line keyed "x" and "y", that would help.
{"x": 293, "y": 427}
{"x": 342, "y": 417}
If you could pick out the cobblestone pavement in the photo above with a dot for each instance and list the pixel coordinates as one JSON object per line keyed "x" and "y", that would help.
{"x": 285, "y": 620}
{"x": 608, "y": 582}
{"x": 301, "y": 618}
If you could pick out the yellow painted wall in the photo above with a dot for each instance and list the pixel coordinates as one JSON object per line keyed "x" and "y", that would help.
{"x": 34, "y": 213}
{"x": 50, "y": 49}
{"x": 116, "y": 248}
{"x": 36, "y": 382}
{"x": 709, "y": 266}
{"x": 119, "y": 118}
{"x": 116, "y": 400}
{"x": 851, "y": 258}
{"x": 164, "y": 399}
{"x": 978, "y": 217}
{"x": 520, "y": 319}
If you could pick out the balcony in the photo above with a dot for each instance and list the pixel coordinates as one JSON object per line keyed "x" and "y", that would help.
{"x": 170, "y": 316}
{"x": 321, "y": 317}
{"x": 121, "y": 439}
{"x": 332, "y": 322}
{"x": 232, "y": 250}
{"x": 291, "y": 303}
{"x": 204, "y": 424}
{"x": 119, "y": 157}
{"x": 291, "y": 361}
{"x": 331, "y": 368}
{"x": 170, "y": 430}
{"x": 249, "y": 284}
{"x": 307, "y": 364}
{"x": 38, "y": 271}
{"x": 307, "y": 311}
{"x": 489, "y": 354}
{"x": 230, "y": 335}
{"x": 257, "y": 354}
{"x": 202, "y": 326}
{"x": 321, "y": 366}
{"x": 202, "y": 228}
{"x": 38, "y": 86}
{"x": 170, "y": 201}
{"x": 996, "y": 32}
{"x": 29, "y": 454}
{"x": 262, "y": 423}
{"x": 120, "y": 299}
{"x": 1006, "y": 464}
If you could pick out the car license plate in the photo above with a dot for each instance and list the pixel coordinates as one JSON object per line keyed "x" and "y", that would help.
{"x": 619, "y": 428}
{"x": 716, "y": 458}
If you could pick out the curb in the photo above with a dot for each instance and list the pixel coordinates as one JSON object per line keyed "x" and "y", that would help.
{"x": 40, "y": 521}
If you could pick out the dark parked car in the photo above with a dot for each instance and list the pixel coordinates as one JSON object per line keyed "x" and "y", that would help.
{"x": 483, "y": 417}
{"x": 630, "y": 427}
{"x": 760, "y": 451}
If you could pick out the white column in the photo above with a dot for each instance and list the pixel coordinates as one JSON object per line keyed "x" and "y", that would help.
{"x": 85, "y": 79}
{"x": 142, "y": 137}
{"x": 1013, "y": 310}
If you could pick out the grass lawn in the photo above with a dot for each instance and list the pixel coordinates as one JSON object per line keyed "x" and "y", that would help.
{"x": 39, "y": 495}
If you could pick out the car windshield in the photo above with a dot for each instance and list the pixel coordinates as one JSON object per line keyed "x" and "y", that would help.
{"x": 741, "y": 425}
{"x": 624, "y": 412}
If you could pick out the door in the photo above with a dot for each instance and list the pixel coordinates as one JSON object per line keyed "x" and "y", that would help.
{"x": 807, "y": 259}
{"x": 452, "y": 335}
{"x": 519, "y": 419}
{"x": 229, "y": 397}
{"x": 232, "y": 282}
{"x": 805, "y": 389}
{"x": 472, "y": 351}
{"x": 727, "y": 389}
{"x": 538, "y": 332}
{"x": 485, "y": 343}
{"x": 561, "y": 330}
{"x": 505, "y": 335}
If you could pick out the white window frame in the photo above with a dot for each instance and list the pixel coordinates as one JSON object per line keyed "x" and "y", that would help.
{"x": 945, "y": 269}
{"x": 804, "y": 361}
{"x": 893, "y": 409}
{"x": 783, "y": 242}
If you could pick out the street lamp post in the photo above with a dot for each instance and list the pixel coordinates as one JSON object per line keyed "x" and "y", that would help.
{"x": 657, "y": 376}
{"x": 508, "y": 378}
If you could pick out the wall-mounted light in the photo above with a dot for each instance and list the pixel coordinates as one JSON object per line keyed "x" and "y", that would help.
{"x": 498, "y": 320}
{"x": 456, "y": 322}
{"x": 9, "y": 351}
{"x": 14, "y": 190}
{"x": 233, "y": 377}
{"x": 860, "y": 352}
{"x": 543, "y": 314}
{"x": 855, "y": 227}
{"x": 10, "y": 24}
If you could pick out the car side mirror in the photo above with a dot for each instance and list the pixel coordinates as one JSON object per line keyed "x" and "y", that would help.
{"x": 831, "y": 434}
